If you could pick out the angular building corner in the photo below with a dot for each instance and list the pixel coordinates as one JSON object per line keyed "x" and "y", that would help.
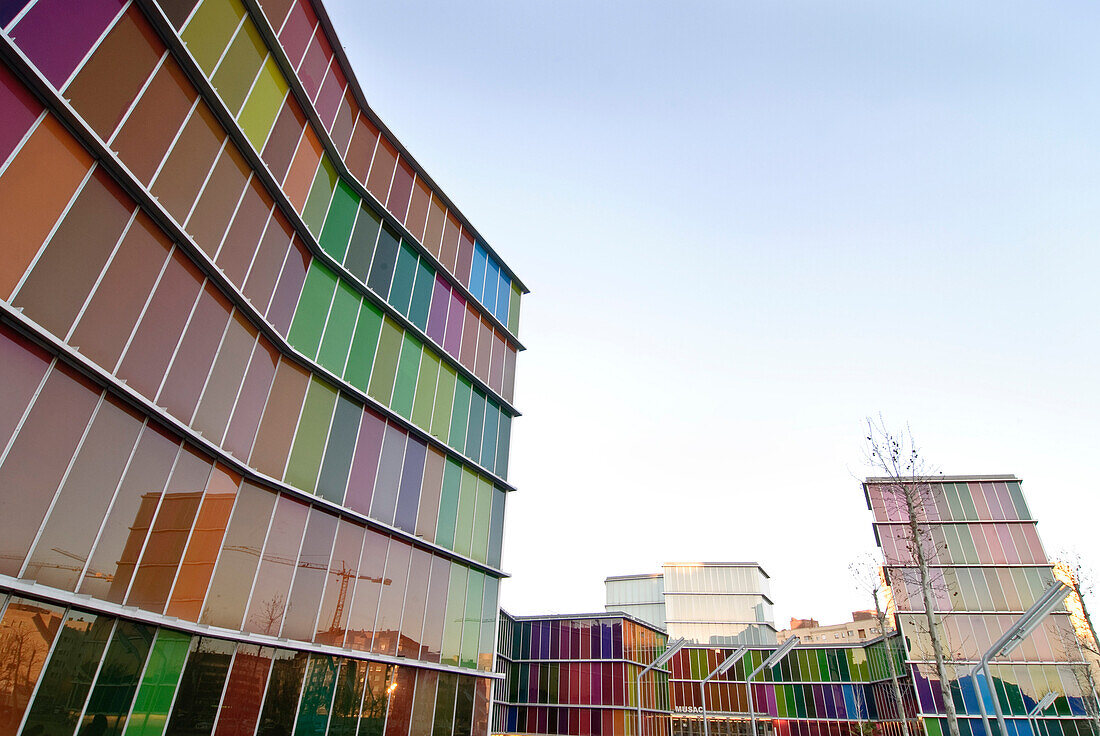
{"x": 258, "y": 375}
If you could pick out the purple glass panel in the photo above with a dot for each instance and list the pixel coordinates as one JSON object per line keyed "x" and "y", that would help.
{"x": 617, "y": 640}
{"x": 386, "y": 486}
{"x": 544, "y": 640}
{"x": 57, "y": 34}
{"x": 20, "y": 108}
{"x": 536, "y": 637}
{"x": 555, "y": 638}
{"x": 412, "y": 477}
{"x": 9, "y": 9}
{"x": 819, "y": 701}
{"x": 365, "y": 465}
{"x": 437, "y": 317}
{"x": 454, "y": 323}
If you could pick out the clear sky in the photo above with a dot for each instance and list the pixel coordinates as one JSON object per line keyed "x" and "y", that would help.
{"x": 746, "y": 226}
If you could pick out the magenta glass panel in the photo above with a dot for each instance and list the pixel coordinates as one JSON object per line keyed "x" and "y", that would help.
{"x": 456, "y": 314}
{"x": 57, "y": 34}
{"x": 268, "y": 262}
{"x": 314, "y": 65}
{"x": 309, "y": 579}
{"x": 328, "y": 99}
{"x": 365, "y": 465}
{"x": 38, "y": 458}
{"x": 465, "y": 257}
{"x": 162, "y": 325}
{"x": 251, "y": 399}
{"x": 24, "y": 366}
{"x": 978, "y": 496}
{"x": 195, "y": 354}
{"x": 20, "y": 108}
{"x": 437, "y": 317}
{"x": 496, "y": 363}
{"x": 345, "y": 120}
{"x": 290, "y": 286}
{"x": 297, "y": 30}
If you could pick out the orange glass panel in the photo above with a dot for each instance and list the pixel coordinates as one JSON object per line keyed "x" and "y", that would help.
{"x": 205, "y": 542}
{"x": 302, "y": 169}
{"x": 34, "y": 189}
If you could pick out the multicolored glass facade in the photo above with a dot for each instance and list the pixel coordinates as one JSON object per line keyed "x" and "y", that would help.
{"x": 579, "y": 675}
{"x": 258, "y": 380}
{"x": 814, "y": 691}
{"x": 988, "y": 567}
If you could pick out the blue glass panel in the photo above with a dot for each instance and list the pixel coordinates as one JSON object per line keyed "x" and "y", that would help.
{"x": 477, "y": 273}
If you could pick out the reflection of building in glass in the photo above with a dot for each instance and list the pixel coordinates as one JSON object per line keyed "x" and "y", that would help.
{"x": 712, "y": 603}
{"x": 988, "y": 567}
{"x": 578, "y": 674}
{"x": 258, "y": 388}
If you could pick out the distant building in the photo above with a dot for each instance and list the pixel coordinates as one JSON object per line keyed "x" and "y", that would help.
{"x": 862, "y": 627}
{"x": 709, "y": 603}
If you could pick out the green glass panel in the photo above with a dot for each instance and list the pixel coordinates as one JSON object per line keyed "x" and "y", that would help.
{"x": 845, "y": 671}
{"x": 158, "y": 684}
{"x": 443, "y": 723}
{"x": 932, "y": 726}
{"x": 404, "y": 389}
{"x": 118, "y": 677}
{"x": 317, "y": 695}
{"x": 263, "y": 104}
{"x": 504, "y": 440}
{"x": 320, "y": 194}
{"x": 341, "y": 325}
{"x": 1022, "y": 511}
{"x": 489, "y": 608}
{"x": 312, "y": 434}
{"x": 68, "y": 675}
{"x": 482, "y": 514}
{"x": 338, "y": 223}
{"x": 460, "y": 414}
{"x": 341, "y": 447}
{"x": 361, "y": 247}
{"x": 513, "y": 309}
{"x": 471, "y": 621}
{"x": 444, "y": 400}
{"x": 448, "y": 504}
{"x": 348, "y": 697}
{"x": 363, "y": 344}
{"x": 800, "y": 699}
{"x": 822, "y": 666}
{"x": 403, "y": 276}
{"x": 238, "y": 67}
{"x": 781, "y": 703}
{"x": 385, "y": 362}
{"x": 963, "y": 489}
{"x": 477, "y": 423}
{"x": 422, "y": 294}
{"x": 489, "y": 436}
{"x": 425, "y": 389}
{"x": 209, "y": 31}
{"x": 312, "y": 312}
{"x": 467, "y": 500}
{"x": 953, "y": 501}
{"x": 456, "y": 603}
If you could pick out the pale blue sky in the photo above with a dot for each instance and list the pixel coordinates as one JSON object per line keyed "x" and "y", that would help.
{"x": 747, "y": 225}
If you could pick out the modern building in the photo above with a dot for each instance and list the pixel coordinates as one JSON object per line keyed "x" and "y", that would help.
{"x": 988, "y": 567}
{"x": 578, "y": 675}
{"x": 824, "y": 690}
{"x": 709, "y": 603}
{"x": 863, "y": 627}
{"x": 257, "y": 394}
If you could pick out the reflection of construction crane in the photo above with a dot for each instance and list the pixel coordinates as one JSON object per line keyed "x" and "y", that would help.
{"x": 346, "y": 574}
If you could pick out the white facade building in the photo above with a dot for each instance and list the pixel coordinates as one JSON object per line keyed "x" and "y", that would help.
{"x": 708, "y": 603}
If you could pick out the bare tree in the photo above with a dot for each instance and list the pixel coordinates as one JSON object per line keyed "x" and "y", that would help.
{"x": 1072, "y": 570}
{"x": 907, "y": 481}
{"x": 866, "y": 573}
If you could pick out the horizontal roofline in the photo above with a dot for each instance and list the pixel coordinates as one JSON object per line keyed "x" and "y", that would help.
{"x": 572, "y": 616}
{"x": 944, "y": 478}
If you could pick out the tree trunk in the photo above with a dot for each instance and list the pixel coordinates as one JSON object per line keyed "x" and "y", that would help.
{"x": 911, "y": 506}
{"x": 898, "y": 701}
